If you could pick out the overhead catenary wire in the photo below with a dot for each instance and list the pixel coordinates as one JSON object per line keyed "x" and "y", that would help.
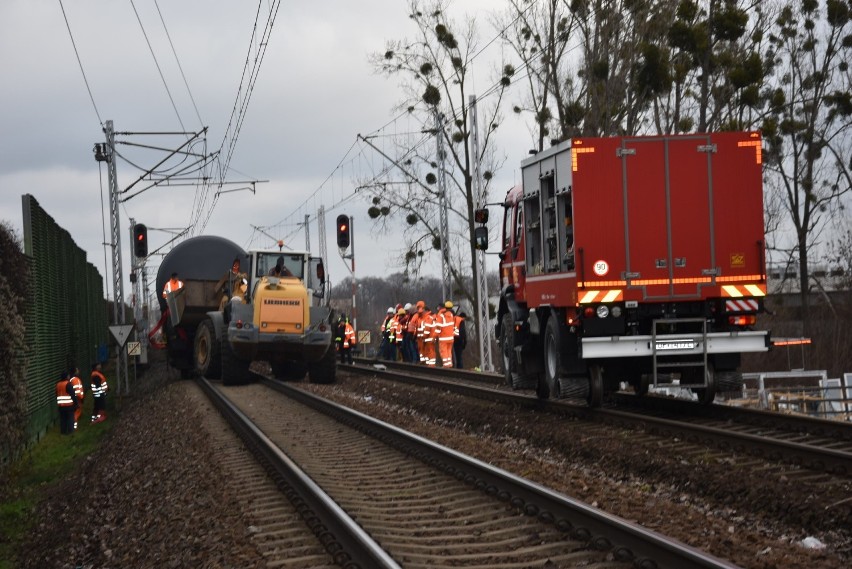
{"x": 238, "y": 115}
{"x": 424, "y": 140}
{"x": 80, "y": 63}
{"x": 180, "y": 67}
{"x": 157, "y": 64}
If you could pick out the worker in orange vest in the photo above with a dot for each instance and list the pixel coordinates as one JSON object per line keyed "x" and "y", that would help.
{"x": 429, "y": 338}
{"x": 174, "y": 284}
{"x": 348, "y": 342}
{"x": 99, "y": 391}
{"x": 445, "y": 325}
{"x": 66, "y": 400}
{"x": 79, "y": 392}
{"x": 399, "y": 332}
{"x": 416, "y": 312}
{"x": 421, "y": 331}
{"x": 384, "y": 346}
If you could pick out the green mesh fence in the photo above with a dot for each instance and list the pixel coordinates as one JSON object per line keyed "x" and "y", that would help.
{"x": 67, "y": 323}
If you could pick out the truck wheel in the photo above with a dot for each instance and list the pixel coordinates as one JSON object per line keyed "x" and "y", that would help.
{"x": 552, "y": 361}
{"x": 207, "y": 353}
{"x": 324, "y": 370}
{"x": 507, "y": 346}
{"x": 289, "y": 370}
{"x": 514, "y": 378}
{"x": 595, "y": 396}
{"x": 708, "y": 394}
{"x": 234, "y": 370}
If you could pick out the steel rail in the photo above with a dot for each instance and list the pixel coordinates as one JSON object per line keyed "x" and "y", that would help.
{"x": 818, "y": 458}
{"x": 344, "y": 539}
{"x": 837, "y": 430}
{"x": 627, "y": 541}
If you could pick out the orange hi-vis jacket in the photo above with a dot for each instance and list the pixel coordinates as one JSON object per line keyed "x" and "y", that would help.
{"x": 413, "y": 323}
{"x": 386, "y": 327}
{"x": 429, "y": 339}
{"x": 99, "y": 384}
{"x": 348, "y": 335}
{"x": 401, "y": 323}
{"x": 63, "y": 397}
{"x": 429, "y": 327}
{"x": 78, "y": 387}
{"x": 172, "y": 285}
{"x": 445, "y": 325}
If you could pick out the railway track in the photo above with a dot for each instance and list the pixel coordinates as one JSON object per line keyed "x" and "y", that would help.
{"x": 377, "y": 496}
{"x": 815, "y": 444}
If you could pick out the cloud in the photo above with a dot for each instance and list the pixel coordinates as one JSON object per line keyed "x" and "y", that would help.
{"x": 315, "y": 92}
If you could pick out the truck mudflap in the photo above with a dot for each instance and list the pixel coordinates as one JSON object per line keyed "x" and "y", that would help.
{"x": 674, "y": 344}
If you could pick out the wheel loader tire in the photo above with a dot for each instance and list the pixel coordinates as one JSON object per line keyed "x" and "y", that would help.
{"x": 207, "y": 351}
{"x": 324, "y": 370}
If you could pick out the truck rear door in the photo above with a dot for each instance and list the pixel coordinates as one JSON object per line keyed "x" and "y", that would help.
{"x": 668, "y": 215}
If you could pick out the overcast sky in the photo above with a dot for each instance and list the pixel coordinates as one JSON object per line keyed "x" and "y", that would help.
{"x": 315, "y": 92}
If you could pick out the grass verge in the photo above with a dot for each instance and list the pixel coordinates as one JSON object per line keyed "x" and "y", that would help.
{"x": 50, "y": 460}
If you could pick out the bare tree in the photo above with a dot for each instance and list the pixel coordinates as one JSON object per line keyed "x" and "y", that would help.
{"x": 808, "y": 130}
{"x": 435, "y": 70}
{"x": 539, "y": 34}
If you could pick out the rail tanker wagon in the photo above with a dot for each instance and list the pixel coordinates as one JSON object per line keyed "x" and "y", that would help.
{"x": 634, "y": 259}
{"x": 200, "y": 263}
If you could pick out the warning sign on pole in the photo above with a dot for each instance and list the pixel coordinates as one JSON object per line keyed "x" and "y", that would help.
{"x": 121, "y": 333}
{"x": 134, "y": 348}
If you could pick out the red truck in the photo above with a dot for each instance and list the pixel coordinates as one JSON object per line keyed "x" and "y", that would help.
{"x": 634, "y": 259}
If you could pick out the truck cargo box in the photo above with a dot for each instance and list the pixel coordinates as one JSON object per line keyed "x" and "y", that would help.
{"x": 645, "y": 218}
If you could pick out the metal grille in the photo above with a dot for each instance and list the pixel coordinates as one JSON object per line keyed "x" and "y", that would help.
{"x": 67, "y": 317}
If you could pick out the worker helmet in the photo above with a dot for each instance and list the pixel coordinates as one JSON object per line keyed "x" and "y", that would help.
{"x": 448, "y": 304}
{"x": 390, "y": 310}
{"x": 401, "y": 311}
{"x": 407, "y": 306}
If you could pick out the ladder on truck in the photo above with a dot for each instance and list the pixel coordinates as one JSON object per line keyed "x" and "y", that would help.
{"x": 687, "y": 349}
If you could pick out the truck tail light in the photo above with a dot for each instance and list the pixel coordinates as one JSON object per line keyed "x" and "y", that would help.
{"x": 570, "y": 317}
{"x": 239, "y": 324}
{"x": 748, "y": 320}
{"x": 588, "y": 312}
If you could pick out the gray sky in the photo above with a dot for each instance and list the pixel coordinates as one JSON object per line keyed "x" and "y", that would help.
{"x": 315, "y": 92}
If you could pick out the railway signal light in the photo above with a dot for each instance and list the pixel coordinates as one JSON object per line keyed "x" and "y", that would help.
{"x": 480, "y": 215}
{"x": 343, "y": 231}
{"x": 140, "y": 240}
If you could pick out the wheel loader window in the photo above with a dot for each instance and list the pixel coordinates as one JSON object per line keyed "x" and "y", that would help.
{"x": 280, "y": 265}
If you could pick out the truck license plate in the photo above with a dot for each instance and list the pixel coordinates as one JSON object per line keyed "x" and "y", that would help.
{"x": 675, "y": 345}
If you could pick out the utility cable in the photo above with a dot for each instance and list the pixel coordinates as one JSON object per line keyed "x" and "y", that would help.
{"x": 80, "y": 63}
{"x": 157, "y": 64}
{"x": 180, "y": 67}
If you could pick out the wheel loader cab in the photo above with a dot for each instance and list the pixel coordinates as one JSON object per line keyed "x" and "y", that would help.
{"x": 279, "y": 264}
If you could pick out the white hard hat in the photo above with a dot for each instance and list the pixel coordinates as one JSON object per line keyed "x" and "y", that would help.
{"x": 407, "y": 306}
{"x": 391, "y": 310}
